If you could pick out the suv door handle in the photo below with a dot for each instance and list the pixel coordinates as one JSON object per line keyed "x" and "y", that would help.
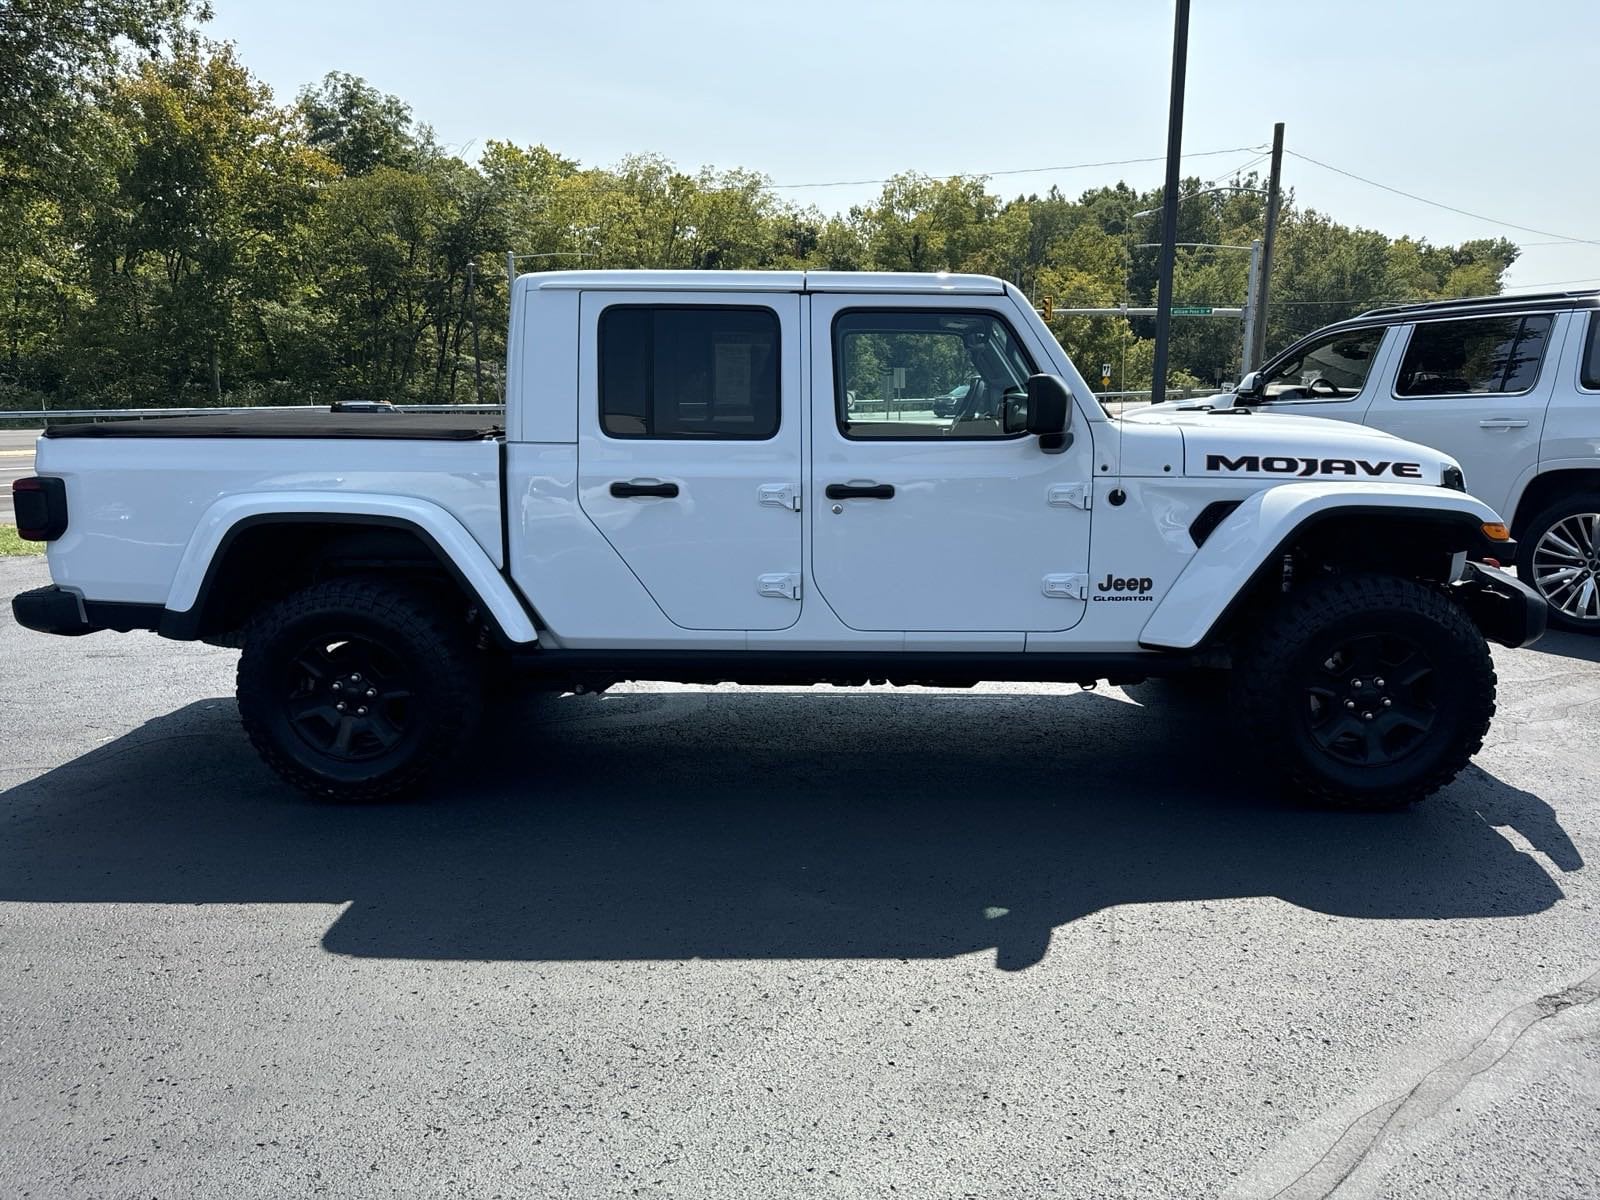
{"x": 860, "y": 491}
{"x": 1502, "y": 423}
{"x": 643, "y": 487}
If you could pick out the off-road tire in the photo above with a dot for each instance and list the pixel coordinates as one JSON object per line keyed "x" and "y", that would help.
{"x": 1287, "y": 659}
{"x": 1528, "y": 541}
{"x": 434, "y": 713}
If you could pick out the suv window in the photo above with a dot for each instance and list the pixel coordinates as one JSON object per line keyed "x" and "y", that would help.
{"x": 1331, "y": 368}
{"x": 689, "y": 372}
{"x": 925, "y": 373}
{"x": 1485, "y": 354}
{"x": 1589, "y": 369}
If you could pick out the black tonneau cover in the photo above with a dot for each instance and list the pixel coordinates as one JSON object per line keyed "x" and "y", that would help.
{"x": 296, "y": 423}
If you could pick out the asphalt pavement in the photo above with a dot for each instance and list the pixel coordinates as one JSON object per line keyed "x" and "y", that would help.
{"x": 668, "y": 941}
{"x": 16, "y": 460}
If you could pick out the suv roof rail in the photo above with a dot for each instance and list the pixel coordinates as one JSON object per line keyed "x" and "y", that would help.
{"x": 1518, "y": 300}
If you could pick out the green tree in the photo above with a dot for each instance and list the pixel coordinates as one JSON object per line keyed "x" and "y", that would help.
{"x": 361, "y": 128}
{"x": 58, "y": 55}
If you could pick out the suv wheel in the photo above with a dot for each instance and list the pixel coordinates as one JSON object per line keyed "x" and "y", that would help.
{"x": 1559, "y": 555}
{"x": 356, "y": 689}
{"x": 1366, "y": 691}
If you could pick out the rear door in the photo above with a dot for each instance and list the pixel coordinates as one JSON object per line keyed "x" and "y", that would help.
{"x": 1476, "y": 388}
{"x": 689, "y": 449}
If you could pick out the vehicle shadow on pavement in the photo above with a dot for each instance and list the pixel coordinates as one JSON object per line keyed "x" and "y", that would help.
{"x": 729, "y": 824}
{"x": 1583, "y": 646}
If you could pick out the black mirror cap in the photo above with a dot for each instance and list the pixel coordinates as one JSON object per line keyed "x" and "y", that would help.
{"x": 1049, "y": 405}
{"x": 1249, "y": 388}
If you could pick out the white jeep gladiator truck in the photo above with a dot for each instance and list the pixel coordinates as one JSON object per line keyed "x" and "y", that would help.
{"x": 789, "y": 477}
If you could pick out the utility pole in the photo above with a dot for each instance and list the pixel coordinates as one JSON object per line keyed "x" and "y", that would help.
{"x": 1169, "y": 201}
{"x": 1252, "y": 310}
{"x": 472, "y": 315}
{"x": 1259, "y": 350}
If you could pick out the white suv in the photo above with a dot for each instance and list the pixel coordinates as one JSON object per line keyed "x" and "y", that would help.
{"x": 1509, "y": 386}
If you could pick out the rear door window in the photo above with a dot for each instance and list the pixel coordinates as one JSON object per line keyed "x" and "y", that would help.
{"x": 1589, "y": 369}
{"x": 1499, "y": 355}
{"x": 674, "y": 371}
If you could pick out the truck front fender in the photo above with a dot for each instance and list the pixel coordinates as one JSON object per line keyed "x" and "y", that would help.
{"x": 455, "y": 547}
{"x": 1252, "y": 539}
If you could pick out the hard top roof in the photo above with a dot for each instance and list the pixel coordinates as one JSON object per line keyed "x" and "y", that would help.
{"x": 890, "y": 282}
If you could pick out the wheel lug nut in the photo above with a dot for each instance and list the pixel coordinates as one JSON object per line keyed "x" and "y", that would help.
{"x": 1387, "y": 702}
{"x": 355, "y": 677}
{"x": 1377, "y": 683}
{"x": 1366, "y": 716}
{"x": 362, "y": 711}
{"x": 340, "y": 707}
{"x": 1356, "y": 683}
{"x": 371, "y": 692}
{"x": 337, "y": 686}
{"x": 1349, "y": 703}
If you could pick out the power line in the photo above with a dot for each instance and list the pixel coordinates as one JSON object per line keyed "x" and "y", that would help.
{"x": 1438, "y": 203}
{"x": 1118, "y": 162}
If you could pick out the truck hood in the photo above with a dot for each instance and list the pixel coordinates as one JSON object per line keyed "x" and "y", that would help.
{"x": 1266, "y": 445}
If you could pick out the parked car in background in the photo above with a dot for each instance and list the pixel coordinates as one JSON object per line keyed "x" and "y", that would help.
{"x": 1509, "y": 386}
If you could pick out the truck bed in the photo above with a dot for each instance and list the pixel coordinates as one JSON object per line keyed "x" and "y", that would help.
{"x": 313, "y": 423}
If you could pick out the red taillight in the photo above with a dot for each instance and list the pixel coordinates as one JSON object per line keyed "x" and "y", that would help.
{"x": 41, "y": 507}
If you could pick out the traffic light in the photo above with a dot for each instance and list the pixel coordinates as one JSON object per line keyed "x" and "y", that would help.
{"x": 1049, "y": 307}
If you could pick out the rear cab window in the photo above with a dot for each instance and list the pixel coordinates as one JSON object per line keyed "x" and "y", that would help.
{"x": 1476, "y": 356}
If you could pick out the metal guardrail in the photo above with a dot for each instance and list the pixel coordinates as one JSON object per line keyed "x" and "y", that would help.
{"x": 57, "y": 414}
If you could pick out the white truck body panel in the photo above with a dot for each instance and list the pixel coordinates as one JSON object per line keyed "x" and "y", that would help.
{"x": 1257, "y": 528}
{"x": 137, "y": 507}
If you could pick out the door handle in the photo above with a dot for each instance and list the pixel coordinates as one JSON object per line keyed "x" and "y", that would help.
{"x": 1502, "y": 423}
{"x": 643, "y": 487}
{"x": 860, "y": 491}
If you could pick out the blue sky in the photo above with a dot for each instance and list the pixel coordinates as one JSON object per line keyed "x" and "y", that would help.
{"x": 1471, "y": 103}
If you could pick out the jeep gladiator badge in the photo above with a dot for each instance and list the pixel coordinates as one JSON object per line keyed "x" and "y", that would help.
{"x": 1283, "y": 464}
{"x": 1130, "y": 589}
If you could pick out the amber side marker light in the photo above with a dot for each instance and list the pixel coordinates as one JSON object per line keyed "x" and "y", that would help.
{"x": 1496, "y": 532}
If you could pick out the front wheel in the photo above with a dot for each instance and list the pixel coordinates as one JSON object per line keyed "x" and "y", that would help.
{"x": 1558, "y": 555}
{"x": 356, "y": 689}
{"x": 1365, "y": 691}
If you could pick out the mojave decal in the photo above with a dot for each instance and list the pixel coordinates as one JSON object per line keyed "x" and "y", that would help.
{"x": 1285, "y": 464}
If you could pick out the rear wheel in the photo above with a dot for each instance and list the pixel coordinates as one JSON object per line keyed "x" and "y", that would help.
{"x": 356, "y": 689}
{"x": 1365, "y": 691}
{"x": 1559, "y": 555}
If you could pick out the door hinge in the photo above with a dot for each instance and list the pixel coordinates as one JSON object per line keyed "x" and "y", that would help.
{"x": 783, "y": 585}
{"x": 1068, "y": 495}
{"x": 1067, "y": 587}
{"x": 780, "y": 495}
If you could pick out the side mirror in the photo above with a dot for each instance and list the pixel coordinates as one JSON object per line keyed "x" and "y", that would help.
{"x": 1249, "y": 387}
{"x": 1048, "y": 413}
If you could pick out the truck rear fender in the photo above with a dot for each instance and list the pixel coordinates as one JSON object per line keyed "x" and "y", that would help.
{"x": 455, "y": 548}
{"x": 1249, "y": 544}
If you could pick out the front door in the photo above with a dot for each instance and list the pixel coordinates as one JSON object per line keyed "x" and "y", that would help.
{"x": 689, "y": 450}
{"x": 1476, "y": 388}
{"x": 927, "y": 515}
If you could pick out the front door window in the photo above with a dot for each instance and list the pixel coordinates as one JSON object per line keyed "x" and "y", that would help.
{"x": 1330, "y": 368}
